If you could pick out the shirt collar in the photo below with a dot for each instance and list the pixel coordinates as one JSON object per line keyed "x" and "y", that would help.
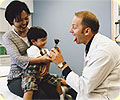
{"x": 88, "y": 45}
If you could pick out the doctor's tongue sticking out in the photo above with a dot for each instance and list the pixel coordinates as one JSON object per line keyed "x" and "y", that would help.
{"x": 74, "y": 39}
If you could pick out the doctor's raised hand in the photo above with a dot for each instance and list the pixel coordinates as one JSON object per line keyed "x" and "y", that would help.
{"x": 55, "y": 56}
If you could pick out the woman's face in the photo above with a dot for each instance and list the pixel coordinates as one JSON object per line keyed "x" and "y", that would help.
{"x": 20, "y": 26}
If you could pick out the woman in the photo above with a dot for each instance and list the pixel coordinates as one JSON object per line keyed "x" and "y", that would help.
{"x": 16, "y": 43}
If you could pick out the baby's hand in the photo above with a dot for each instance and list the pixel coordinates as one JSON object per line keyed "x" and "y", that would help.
{"x": 46, "y": 57}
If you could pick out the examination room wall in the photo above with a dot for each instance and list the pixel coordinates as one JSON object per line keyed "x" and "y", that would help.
{"x": 55, "y": 16}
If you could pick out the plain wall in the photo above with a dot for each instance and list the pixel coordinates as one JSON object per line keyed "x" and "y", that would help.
{"x": 55, "y": 16}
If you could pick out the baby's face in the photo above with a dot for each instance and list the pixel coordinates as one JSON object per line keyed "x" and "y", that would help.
{"x": 41, "y": 42}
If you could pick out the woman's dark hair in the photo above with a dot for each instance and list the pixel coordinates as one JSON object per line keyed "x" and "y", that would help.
{"x": 14, "y": 9}
{"x": 35, "y": 33}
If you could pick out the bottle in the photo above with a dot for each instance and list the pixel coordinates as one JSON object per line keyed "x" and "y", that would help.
{"x": 2, "y": 50}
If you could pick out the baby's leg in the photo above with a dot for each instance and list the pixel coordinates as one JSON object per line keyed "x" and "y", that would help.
{"x": 59, "y": 89}
{"x": 29, "y": 83}
{"x": 28, "y": 95}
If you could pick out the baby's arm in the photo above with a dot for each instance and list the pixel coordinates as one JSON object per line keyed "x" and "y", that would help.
{"x": 44, "y": 59}
{"x": 35, "y": 57}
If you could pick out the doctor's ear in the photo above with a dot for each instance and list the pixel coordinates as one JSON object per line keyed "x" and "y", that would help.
{"x": 87, "y": 30}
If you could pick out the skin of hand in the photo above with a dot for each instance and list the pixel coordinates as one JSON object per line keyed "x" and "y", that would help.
{"x": 63, "y": 81}
{"x": 45, "y": 58}
{"x": 40, "y": 59}
{"x": 55, "y": 56}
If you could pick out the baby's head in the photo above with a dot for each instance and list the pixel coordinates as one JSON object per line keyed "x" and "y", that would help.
{"x": 37, "y": 36}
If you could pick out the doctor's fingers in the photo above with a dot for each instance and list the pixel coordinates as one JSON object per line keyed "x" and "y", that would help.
{"x": 52, "y": 54}
{"x": 63, "y": 81}
{"x": 56, "y": 50}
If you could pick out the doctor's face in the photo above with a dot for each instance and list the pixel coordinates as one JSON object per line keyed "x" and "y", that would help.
{"x": 77, "y": 30}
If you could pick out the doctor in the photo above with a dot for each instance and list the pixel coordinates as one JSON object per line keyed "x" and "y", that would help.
{"x": 100, "y": 79}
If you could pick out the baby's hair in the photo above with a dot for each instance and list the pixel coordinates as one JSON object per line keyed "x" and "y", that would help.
{"x": 35, "y": 33}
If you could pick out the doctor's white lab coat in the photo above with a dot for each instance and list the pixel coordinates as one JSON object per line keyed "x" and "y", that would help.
{"x": 100, "y": 79}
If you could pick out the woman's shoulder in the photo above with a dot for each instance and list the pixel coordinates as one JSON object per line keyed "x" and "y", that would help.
{"x": 7, "y": 34}
{"x": 10, "y": 35}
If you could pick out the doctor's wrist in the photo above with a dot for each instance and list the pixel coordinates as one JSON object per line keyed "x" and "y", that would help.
{"x": 62, "y": 65}
{"x": 66, "y": 65}
{"x": 66, "y": 71}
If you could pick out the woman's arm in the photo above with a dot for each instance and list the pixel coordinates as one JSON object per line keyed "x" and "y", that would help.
{"x": 16, "y": 48}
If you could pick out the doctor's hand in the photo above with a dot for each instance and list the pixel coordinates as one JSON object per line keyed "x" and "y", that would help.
{"x": 63, "y": 81}
{"x": 56, "y": 56}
